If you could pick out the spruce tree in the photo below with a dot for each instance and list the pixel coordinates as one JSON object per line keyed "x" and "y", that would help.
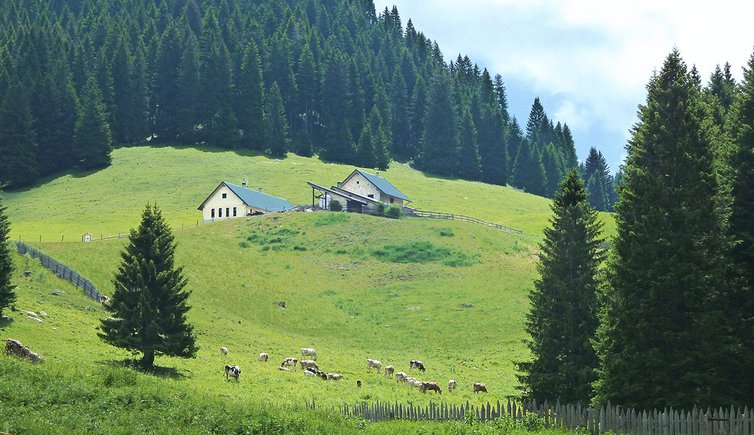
{"x": 18, "y": 139}
{"x": 7, "y": 295}
{"x": 528, "y": 171}
{"x": 741, "y": 229}
{"x": 276, "y": 123}
{"x": 365, "y": 155}
{"x": 92, "y": 138}
{"x": 562, "y": 319}
{"x": 439, "y": 145}
{"x": 469, "y": 165}
{"x": 149, "y": 305}
{"x": 663, "y": 339}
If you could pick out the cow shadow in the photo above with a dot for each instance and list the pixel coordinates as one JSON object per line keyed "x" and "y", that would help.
{"x": 157, "y": 371}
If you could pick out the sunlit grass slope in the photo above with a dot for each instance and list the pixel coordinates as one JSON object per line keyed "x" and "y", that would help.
{"x": 107, "y": 202}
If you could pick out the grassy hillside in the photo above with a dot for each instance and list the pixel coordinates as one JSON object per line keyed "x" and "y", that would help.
{"x": 108, "y": 202}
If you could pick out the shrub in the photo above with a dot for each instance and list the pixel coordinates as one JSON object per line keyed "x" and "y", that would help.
{"x": 335, "y": 205}
{"x": 381, "y": 206}
{"x": 395, "y": 211}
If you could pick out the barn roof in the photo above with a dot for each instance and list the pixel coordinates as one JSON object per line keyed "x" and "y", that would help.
{"x": 382, "y": 184}
{"x": 254, "y": 198}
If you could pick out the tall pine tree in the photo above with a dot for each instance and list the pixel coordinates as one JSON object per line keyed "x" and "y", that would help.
{"x": 149, "y": 305}
{"x": 18, "y": 139}
{"x": 7, "y": 293}
{"x": 663, "y": 339}
{"x": 563, "y": 317}
{"x": 92, "y": 138}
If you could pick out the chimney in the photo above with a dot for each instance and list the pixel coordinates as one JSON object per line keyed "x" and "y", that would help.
{"x": 243, "y": 183}
{"x": 377, "y": 173}
{"x": 339, "y": 184}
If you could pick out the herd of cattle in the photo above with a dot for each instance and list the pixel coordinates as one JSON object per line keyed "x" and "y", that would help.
{"x": 308, "y": 364}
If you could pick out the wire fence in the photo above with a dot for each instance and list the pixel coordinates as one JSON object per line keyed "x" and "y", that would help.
{"x": 61, "y": 270}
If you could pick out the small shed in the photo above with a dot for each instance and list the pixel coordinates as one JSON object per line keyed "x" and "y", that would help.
{"x": 230, "y": 201}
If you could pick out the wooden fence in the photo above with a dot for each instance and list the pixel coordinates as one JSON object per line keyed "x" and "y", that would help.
{"x": 608, "y": 419}
{"x": 61, "y": 270}
{"x": 458, "y": 217}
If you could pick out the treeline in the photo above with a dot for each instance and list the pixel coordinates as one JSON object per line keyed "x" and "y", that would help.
{"x": 667, "y": 320}
{"x": 326, "y": 77}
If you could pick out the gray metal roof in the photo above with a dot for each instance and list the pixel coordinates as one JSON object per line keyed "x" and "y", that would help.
{"x": 259, "y": 200}
{"x": 253, "y": 198}
{"x": 383, "y": 185}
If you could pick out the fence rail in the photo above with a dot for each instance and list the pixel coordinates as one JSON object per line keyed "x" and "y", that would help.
{"x": 61, "y": 270}
{"x": 458, "y": 217}
{"x": 606, "y": 419}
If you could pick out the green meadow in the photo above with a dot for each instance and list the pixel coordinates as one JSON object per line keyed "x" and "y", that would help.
{"x": 452, "y": 294}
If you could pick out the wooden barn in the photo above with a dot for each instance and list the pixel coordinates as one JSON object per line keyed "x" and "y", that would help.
{"x": 229, "y": 201}
{"x": 359, "y": 192}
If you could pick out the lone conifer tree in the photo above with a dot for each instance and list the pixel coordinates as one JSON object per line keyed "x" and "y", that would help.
{"x": 7, "y": 295}
{"x": 563, "y": 316}
{"x": 663, "y": 339}
{"x": 148, "y": 308}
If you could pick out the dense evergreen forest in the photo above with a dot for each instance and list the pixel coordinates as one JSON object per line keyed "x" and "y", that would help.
{"x": 326, "y": 77}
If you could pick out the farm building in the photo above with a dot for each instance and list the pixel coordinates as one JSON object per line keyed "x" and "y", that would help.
{"x": 229, "y": 201}
{"x": 360, "y": 192}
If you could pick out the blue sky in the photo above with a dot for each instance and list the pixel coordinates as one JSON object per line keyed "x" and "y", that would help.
{"x": 588, "y": 60}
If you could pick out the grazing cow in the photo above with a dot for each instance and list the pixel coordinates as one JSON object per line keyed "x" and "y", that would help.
{"x": 416, "y": 364}
{"x": 374, "y": 363}
{"x": 263, "y": 357}
{"x": 232, "y": 372}
{"x": 288, "y": 362}
{"x": 400, "y": 377}
{"x": 430, "y": 386}
{"x": 314, "y": 372}
{"x": 415, "y": 382}
{"x": 104, "y": 299}
{"x": 223, "y": 350}
{"x": 389, "y": 370}
{"x": 307, "y": 363}
{"x": 358, "y": 383}
{"x": 334, "y": 376}
{"x": 452, "y": 384}
{"x": 480, "y": 387}
{"x": 308, "y": 352}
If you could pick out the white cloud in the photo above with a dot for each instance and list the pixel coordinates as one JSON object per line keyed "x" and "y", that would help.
{"x": 592, "y": 57}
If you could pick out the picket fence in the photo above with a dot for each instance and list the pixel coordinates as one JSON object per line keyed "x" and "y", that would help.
{"x": 61, "y": 270}
{"x": 607, "y": 419}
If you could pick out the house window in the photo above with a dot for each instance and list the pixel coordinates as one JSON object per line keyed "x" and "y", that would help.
{"x": 371, "y": 196}
{"x": 235, "y": 212}
{"x": 227, "y": 211}
{"x": 357, "y": 181}
{"x": 220, "y": 212}
{"x": 225, "y": 195}
{"x": 392, "y": 200}
{"x": 213, "y": 213}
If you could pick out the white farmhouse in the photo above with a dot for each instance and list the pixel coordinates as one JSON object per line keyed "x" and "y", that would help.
{"x": 360, "y": 192}
{"x": 229, "y": 201}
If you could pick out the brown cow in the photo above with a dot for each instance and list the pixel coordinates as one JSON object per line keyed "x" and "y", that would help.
{"x": 430, "y": 386}
{"x": 480, "y": 387}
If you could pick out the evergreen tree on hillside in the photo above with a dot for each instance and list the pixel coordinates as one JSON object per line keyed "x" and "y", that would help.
{"x": 7, "y": 293}
{"x": 723, "y": 86}
{"x": 188, "y": 112}
{"x": 554, "y": 167}
{"x": 164, "y": 103}
{"x": 741, "y": 229}
{"x": 663, "y": 337}
{"x": 596, "y": 175}
{"x": 251, "y": 98}
{"x": 439, "y": 145}
{"x": 365, "y": 155}
{"x": 149, "y": 305}
{"x": 18, "y": 141}
{"x": 563, "y": 317}
{"x": 528, "y": 171}
{"x": 469, "y": 167}
{"x": 534, "y": 125}
{"x": 92, "y": 138}
{"x": 336, "y": 144}
{"x": 276, "y": 123}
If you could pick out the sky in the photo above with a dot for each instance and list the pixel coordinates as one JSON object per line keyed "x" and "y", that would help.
{"x": 587, "y": 60}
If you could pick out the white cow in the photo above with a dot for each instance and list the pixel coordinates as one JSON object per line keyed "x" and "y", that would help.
{"x": 223, "y": 350}
{"x": 263, "y": 357}
{"x": 334, "y": 376}
{"x": 389, "y": 370}
{"x": 374, "y": 363}
{"x": 288, "y": 362}
{"x": 308, "y": 352}
{"x": 452, "y": 384}
{"x": 400, "y": 377}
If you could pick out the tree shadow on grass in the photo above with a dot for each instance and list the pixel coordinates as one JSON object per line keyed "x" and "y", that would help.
{"x": 158, "y": 371}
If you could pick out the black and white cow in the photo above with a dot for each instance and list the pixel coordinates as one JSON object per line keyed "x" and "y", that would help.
{"x": 416, "y": 364}
{"x": 232, "y": 372}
